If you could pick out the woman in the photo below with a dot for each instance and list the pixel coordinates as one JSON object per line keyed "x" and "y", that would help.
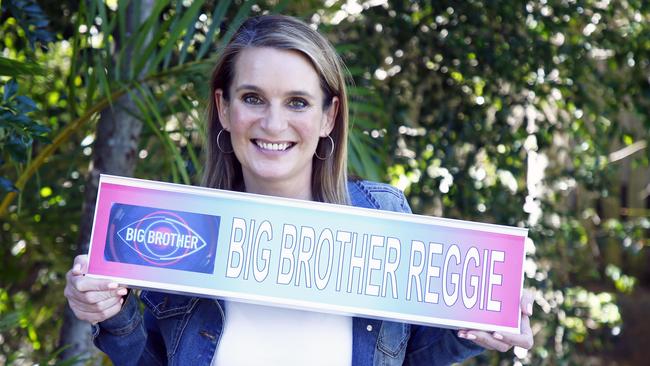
{"x": 278, "y": 125}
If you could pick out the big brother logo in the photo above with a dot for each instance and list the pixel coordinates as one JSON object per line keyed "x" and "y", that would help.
{"x": 162, "y": 238}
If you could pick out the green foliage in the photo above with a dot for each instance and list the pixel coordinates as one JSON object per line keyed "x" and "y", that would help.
{"x": 510, "y": 112}
{"x": 84, "y": 72}
{"x": 31, "y": 19}
{"x": 17, "y": 130}
{"x": 13, "y": 68}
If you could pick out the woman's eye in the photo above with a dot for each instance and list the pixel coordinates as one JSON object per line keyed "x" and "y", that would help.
{"x": 298, "y": 103}
{"x": 251, "y": 99}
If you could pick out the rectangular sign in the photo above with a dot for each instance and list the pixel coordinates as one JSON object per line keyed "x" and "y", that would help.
{"x": 307, "y": 255}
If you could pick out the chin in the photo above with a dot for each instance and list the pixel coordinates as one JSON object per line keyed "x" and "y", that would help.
{"x": 271, "y": 174}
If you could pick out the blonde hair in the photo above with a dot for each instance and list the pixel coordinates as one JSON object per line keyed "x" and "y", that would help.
{"x": 329, "y": 176}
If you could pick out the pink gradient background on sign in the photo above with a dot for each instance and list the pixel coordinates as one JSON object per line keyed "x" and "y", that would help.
{"x": 512, "y": 245}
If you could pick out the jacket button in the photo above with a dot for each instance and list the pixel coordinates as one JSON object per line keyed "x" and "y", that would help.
{"x": 369, "y": 328}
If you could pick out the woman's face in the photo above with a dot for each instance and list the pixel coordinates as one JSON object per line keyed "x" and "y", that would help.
{"x": 275, "y": 117}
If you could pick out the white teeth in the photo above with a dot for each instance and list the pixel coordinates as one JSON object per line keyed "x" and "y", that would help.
{"x": 273, "y": 146}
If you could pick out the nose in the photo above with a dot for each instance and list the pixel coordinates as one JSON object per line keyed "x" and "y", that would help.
{"x": 274, "y": 120}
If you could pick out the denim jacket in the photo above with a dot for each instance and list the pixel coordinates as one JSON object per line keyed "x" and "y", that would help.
{"x": 184, "y": 330}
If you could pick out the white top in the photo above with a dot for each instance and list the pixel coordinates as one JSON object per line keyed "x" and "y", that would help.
{"x": 264, "y": 335}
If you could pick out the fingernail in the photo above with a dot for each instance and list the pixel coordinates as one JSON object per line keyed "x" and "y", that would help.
{"x": 497, "y": 336}
{"x": 529, "y": 309}
{"x": 471, "y": 336}
{"x": 112, "y": 285}
{"x": 76, "y": 268}
{"x": 121, "y": 292}
{"x": 461, "y": 335}
{"x": 121, "y": 301}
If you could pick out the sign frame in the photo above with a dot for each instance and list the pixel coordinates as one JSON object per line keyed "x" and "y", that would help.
{"x": 127, "y": 274}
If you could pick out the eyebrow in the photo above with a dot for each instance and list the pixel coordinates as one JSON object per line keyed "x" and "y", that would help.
{"x": 300, "y": 93}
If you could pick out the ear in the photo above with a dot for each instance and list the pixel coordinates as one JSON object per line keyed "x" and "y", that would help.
{"x": 222, "y": 108}
{"x": 330, "y": 117}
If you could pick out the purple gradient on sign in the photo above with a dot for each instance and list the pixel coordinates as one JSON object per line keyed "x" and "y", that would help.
{"x": 507, "y": 293}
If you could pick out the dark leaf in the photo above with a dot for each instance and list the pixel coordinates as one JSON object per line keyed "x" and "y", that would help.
{"x": 38, "y": 130}
{"x": 17, "y": 146}
{"x": 13, "y": 68}
{"x": 25, "y": 104}
{"x": 41, "y": 23}
{"x": 32, "y": 20}
{"x": 9, "y": 320}
{"x": 19, "y": 120}
{"x": 7, "y": 186}
{"x": 11, "y": 87}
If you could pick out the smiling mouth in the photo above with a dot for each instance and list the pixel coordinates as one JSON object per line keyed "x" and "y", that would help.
{"x": 273, "y": 146}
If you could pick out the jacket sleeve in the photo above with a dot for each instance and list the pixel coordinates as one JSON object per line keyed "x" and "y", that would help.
{"x": 438, "y": 346}
{"x": 124, "y": 336}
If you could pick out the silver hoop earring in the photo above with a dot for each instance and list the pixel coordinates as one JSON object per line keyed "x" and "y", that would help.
{"x": 219, "y": 145}
{"x": 331, "y": 150}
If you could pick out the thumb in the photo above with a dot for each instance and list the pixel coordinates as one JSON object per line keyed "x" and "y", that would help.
{"x": 80, "y": 265}
{"x": 527, "y": 300}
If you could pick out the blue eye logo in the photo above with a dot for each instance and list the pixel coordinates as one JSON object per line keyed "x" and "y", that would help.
{"x": 162, "y": 238}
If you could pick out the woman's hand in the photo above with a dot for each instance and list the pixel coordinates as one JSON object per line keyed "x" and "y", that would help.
{"x": 502, "y": 341}
{"x": 91, "y": 299}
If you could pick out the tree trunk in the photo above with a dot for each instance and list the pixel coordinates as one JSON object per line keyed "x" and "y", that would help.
{"x": 115, "y": 152}
{"x": 116, "y": 144}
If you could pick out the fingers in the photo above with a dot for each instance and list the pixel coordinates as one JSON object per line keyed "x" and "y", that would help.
{"x": 83, "y": 283}
{"x": 523, "y": 340}
{"x": 527, "y": 300}
{"x": 80, "y": 264}
{"x": 93, "y": 297}
{"x": 485, "y": 340}
{"x": 97, "y": 307}
{"x": 90, "y": 299}
{"x": 501, "y": 341}
{"x": 90, "y": 290}
{"x": 95, "y": 317}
